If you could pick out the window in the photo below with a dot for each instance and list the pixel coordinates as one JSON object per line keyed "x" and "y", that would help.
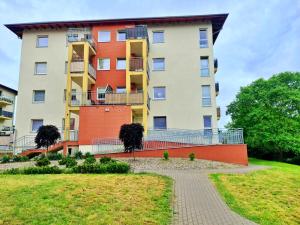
{"x": 204, "y": 66}
{"x": 73, "y": 96}
{"x": 104, "y": 36}
{"x": 103, "y": 64}
{"x": 42, "y": 41}
{"x": 101, "y": 93}
{"x": 66, "y": 67}
{"x": 159, "y": 93}
{"x": 158, "y": 37}
{"x": 207, "y": 125}
{"x": 72, "y": 123}
{"x": 121, "y": 90}
{"x": 38, "y": 96}
{"x": 206, "y": 99}
{"x": 159, "y": 64}
{"x": 40, "y": 68}
{"x": 203, "y": 38}
{"x": 160, "y": 122}
{"x": 121, "y": 64}
{"x": 36, "y": 124}
{"x": 121, "y": 36}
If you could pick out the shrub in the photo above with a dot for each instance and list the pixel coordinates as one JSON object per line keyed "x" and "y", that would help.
{"x": 192, "y": 156}
{"x": 71, "y": 162}
{"x": 87, "y": 155}
{"x": 42, "y": 170}
{"x": 12, "y": 171}
{"x": 5, "y": 159}
{"x": 42, "y": 162}
{"x": 166, "y": 155}
{"x": 295, "y": 160}
{"x": 113, "y": 167}
{"x": 118, "y": 167}
{"x": 54, "y": 156}
{"x": 78, "y": 155}
{"x": 106, "y": 159}
{"x": 89, "y": 160}
{"x": 19, "y": 158}
{"x": 132, "y": 136}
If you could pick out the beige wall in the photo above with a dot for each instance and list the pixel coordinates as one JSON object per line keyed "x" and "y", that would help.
{"x": 183, "y": 104}
{"x": 54, "y": 82}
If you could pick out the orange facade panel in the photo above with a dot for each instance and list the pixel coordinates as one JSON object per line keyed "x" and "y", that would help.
{"x": 101, "y": 122}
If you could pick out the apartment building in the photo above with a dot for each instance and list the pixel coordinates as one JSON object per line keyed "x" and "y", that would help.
{"x": 90, "y": 77}
{"x": 7, "y": 106}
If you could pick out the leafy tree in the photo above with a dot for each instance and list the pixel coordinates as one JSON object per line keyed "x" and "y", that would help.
{"x": 269, "y": 113}
{"x": 47, "y": 135}
{"x": 132, "y": 136}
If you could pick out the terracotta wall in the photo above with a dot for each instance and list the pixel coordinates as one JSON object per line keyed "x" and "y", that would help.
{"x": 101, "y": 121}
{"x": 236, "y": 154}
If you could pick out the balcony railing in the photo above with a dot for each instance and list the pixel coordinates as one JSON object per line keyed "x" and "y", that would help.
{"x": 215, "y": 65}
{"x": 78, "y": 67}
{"x": 138, "y": 32}
{"x": 94, "y": 98}
{"x": 82, "y": 39}
{"x": 136, "y": 64}
{"x": 6, "y": 114}
{"x": 6, "y": 100}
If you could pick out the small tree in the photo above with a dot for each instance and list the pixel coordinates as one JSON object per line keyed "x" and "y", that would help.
{"x": 132, "y": 136}
{"x": 46, "y": 136}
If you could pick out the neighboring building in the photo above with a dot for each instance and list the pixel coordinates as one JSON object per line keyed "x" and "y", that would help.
{"x": 7, "y": 106}
{"x": 90, "y": 77}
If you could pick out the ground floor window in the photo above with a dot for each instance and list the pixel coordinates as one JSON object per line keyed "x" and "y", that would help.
{"x": 160, "y": 122}
{"x": 36, "y": 124}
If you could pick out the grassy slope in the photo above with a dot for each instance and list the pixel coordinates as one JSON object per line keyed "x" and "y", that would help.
{"x": 267, "y": 197}
{"x": 85, "y": 199}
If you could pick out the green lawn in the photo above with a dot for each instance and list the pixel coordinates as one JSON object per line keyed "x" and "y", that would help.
{"x": 267, "y": 197}
{"x": 85, "y": 199}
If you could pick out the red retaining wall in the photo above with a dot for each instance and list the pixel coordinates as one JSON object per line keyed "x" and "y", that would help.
{"x": 236, "y": 154}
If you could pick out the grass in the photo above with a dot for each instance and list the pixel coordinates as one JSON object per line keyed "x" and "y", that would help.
{"x": 266, "y": 197}
{"x": 85, "y": 199}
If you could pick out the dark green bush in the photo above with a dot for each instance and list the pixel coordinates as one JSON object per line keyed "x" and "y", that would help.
{"x": 87, "y": 155}
{"x": 113, "y": 167}
{"x": 42, "y": 162}
{"x": 5, "y": 159}
{"x": 295, "y": 160}
{"x": 68, "y": 161}
{"x": 54, "y": 156}
{"x": 89, "y": 160}
{"x": 19, "y": 158}
{"x": 42, "y": 170}
{"x": 166, "y": 155}
{"x": 118, "y": 167}
{"x": 78, "y": 155}
{"x": 12, "y": 171}
{"x": 192, "y": 156}
{"x": 106, "y": 159}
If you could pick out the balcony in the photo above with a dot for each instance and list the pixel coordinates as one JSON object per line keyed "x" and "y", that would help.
{"x": 4, "y": 100}
{"x": 78, "y": 67}
{"x": 6, "y": 115}
{"x": 218, "y": 112}
{"x": 217, "y": 88}
{"x": 215, "y": 65}
{"x": 94, "y": 98}
{"x": 138, "y": 32}
{"x": 75, "y": 38}
{"x": 136, "y": 64}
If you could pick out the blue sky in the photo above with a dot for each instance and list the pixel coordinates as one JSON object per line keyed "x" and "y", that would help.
{"x": 260, "y": 38}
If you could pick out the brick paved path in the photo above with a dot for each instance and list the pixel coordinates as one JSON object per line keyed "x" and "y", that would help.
{"x": 198, "y": 202}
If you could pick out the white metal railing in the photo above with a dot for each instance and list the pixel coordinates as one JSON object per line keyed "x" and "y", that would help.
{"x": 172, "y": 138}
{"x": 6, "y": 99}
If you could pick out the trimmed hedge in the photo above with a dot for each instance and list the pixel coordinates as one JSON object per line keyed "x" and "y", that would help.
{"x": 106, "y": 159}
{"x": 68, "y": 161}
{"x": 54, "y": 156}
{"x": 42, "y": 162}
{"x": 35, "y": 170}
{"x": 113, "y": 167}
{"x": 5, "y": 159}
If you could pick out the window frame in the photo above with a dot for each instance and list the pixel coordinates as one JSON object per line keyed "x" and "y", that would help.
{"x": 206, "y": 97}
{"x": 101, "y": 88}
{"x": 160, "y": 117}
{"x": 164, "y": 67}
{"x": 35, "y": 68}
{"x": 32, "y": 120}
{"x": 124, "y": 59}
{"x": 98, "y": 64}
{"x": 206, "y": 32}
{"x": 205, "y": 68}
{"x": 42, "y": 36}
{"x": 106, "y": 31}
{"x": 121, "y": 31}
{"x": 121, "y": 88}
{"x": 163, "y": 36}
{"x": 33, "y": 96}
{"x": 162, "y": 87}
